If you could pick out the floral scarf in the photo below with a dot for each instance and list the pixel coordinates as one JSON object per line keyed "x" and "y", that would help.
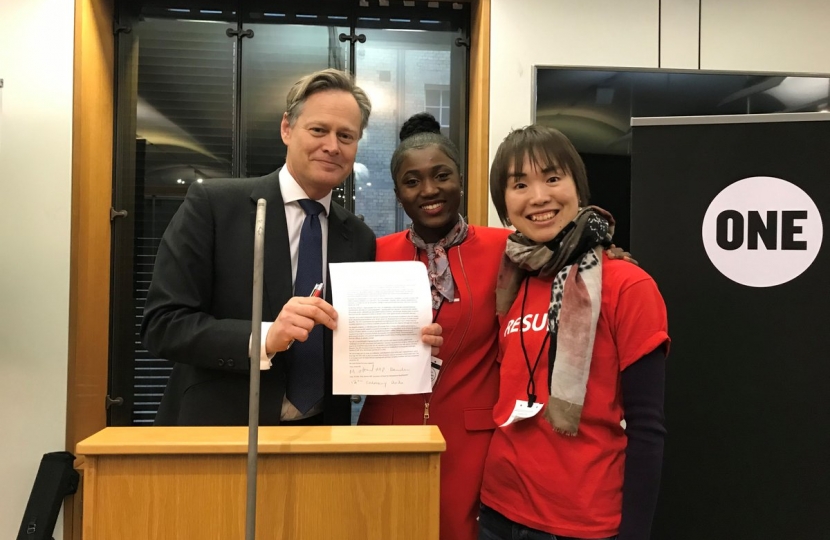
{"x": 438, "y": 265}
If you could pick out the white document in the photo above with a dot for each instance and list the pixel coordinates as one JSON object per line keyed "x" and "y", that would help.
{"x": 381, "y": 308}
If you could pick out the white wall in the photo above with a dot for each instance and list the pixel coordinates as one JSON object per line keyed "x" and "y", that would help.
{"x": 36, "y": 45}
{"x": 679, "y": 34}
{"x": 766, "y": 35}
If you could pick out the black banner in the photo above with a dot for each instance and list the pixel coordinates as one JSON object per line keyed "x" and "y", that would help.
{"x": 726, "y": 215}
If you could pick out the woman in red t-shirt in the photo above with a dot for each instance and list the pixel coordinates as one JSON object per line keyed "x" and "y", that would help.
{"x": 582, "y": 344}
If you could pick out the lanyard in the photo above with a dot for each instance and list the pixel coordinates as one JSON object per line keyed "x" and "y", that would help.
{"x": 438, "y": 311}
{"x": 531, "y": 383}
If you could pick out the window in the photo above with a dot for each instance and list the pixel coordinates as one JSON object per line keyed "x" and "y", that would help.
{"x": 438, "y": 105}
{"x": 201, "y": 88}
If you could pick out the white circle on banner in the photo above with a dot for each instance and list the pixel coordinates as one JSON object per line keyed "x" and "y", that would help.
{"x": 762, "y": 231}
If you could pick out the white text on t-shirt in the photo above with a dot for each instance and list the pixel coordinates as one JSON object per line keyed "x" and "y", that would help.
{"x": 530, "y": 322}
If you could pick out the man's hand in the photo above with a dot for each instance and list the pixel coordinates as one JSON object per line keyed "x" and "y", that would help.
{"x": 615, "y": 252}
{"x": 296, "y": 320}
{"x": 431, "y": 335}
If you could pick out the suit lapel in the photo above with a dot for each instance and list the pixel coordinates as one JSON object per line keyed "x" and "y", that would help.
{"x": 339, "y": 250}
{"x": 277, "y": 271}
{"x": 339, "y": 242}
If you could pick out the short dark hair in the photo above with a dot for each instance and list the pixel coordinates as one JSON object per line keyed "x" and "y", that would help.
{"x": 420, "y": 131}
{"x": 320, "y": 81}
{"x": 546, "y": 147}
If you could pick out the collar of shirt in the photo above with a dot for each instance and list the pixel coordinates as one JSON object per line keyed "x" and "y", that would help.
{"x": 294, "y": 217}
{"x": 292, "y": 192}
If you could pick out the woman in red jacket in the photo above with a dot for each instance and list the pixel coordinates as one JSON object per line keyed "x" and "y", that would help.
{"x": 462, "y": 262}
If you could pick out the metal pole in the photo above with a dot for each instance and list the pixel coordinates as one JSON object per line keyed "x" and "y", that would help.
{"x": 256, "y": 352}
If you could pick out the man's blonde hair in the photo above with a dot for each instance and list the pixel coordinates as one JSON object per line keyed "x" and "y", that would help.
{"x": 320, "y": 81}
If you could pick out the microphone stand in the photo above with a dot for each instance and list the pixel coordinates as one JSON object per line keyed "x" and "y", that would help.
{"x": 256, "y": 353}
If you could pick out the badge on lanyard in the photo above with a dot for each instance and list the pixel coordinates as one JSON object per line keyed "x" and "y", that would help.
{"x": 435, "y": 368}
{"x": 529, "y": 408}
{"x": 523, "y": 411}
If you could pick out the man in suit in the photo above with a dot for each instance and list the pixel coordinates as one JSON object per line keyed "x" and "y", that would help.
{"x": 198, "y": 308}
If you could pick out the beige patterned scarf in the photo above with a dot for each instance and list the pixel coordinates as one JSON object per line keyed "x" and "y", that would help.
{"x": 574, "y": 258}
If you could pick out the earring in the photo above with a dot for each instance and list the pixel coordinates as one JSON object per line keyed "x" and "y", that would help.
{"x": 462, "y": 192}
{"x": 399, "y": 204}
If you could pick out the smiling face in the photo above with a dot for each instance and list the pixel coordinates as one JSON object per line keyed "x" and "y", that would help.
{"x": 538, "y": 152}
{"x": 322, "y": 142}
{"x": 540, "y": 201}
{"x": 428, "y": 186}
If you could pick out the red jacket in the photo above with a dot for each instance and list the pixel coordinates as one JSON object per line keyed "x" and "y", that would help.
{"x": 461, "y": 404}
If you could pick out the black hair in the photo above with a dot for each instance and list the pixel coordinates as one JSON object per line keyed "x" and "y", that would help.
{"x": 420, "y": 131}
{"x": 419, "y": 123}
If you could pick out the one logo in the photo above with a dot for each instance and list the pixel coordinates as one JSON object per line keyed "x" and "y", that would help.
{"x": 762, "y": 231}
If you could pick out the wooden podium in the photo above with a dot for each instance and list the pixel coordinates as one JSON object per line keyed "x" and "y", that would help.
{"x": 320, "y": 482}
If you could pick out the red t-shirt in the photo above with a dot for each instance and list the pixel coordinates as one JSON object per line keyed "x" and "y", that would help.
{"x": 570, "y": 486}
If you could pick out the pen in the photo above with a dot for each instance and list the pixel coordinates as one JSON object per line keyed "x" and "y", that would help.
{"x": 316, "y": 292}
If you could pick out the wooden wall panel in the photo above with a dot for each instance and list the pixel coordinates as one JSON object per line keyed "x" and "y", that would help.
{"x": 478, "y": 157}
{"x": 92, "y": 140}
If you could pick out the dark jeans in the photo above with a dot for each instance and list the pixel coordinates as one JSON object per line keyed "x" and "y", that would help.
{"x": 494, "y": 526}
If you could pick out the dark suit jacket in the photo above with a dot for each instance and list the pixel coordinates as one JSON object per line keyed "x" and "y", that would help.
{"x": 198, "y": 309}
